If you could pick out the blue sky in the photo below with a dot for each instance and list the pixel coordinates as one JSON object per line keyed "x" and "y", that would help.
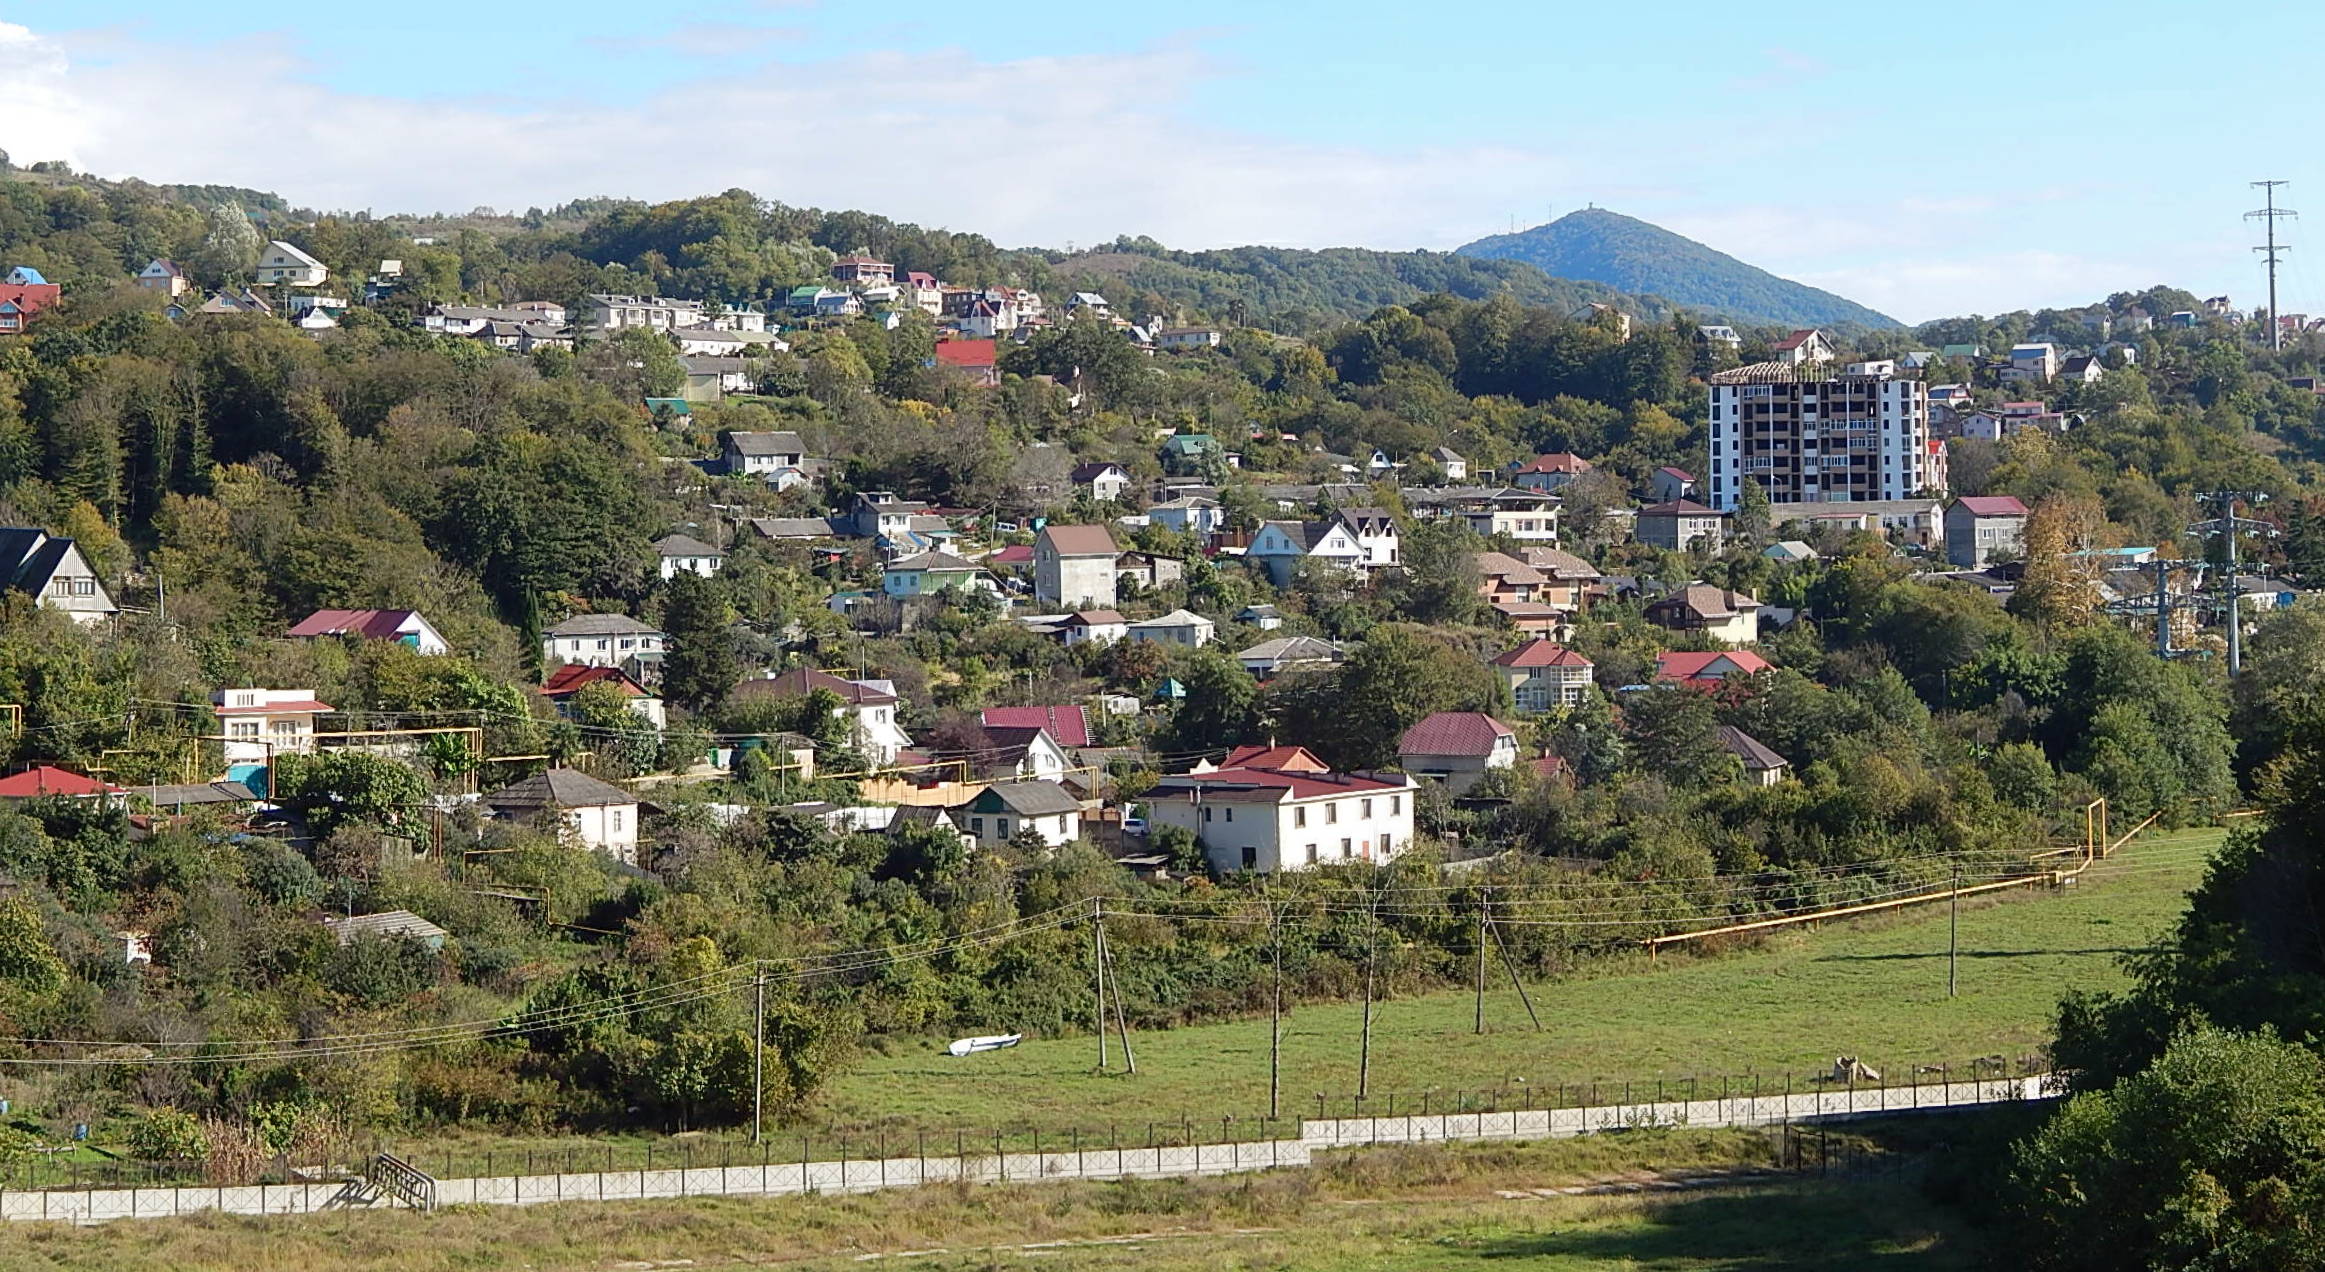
{"x": 1978, "y": 157}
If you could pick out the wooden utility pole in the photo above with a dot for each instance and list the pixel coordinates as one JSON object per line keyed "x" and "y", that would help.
{"x": 1098, "y": 975}
{"x": 1275, "y": 1015}
{"x": 1511, "y": 965}
{"x": 1371, "y": 959}
{"x": 1114, "y": 989}
{"x": 758, "y": 1052}
{"x": 1479, "y": 1026}
{"x": 1954, "y": 935}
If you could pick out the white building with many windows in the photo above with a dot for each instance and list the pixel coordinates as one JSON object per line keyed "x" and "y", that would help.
{"x": 260, "y": 724}
{"x": 1809, "y": 437}
{"x": 1282, "y": 809}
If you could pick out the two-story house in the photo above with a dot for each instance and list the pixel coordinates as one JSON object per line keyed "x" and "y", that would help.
{"x": 869, "y": 710}
{"x": 284, "y": 265}
{"x": 1376, "y": 537}
{"x": 605, "y": 640}
{"x": 1281, "y": 547}
{"x": 261, "y": 724}
{"x": 1680, "y": 525}
{"x": 1104, "y": 482}
{"x": 1722, "y": 614}
{"x": 1457, "y": 748}
{"x": 1282, "y": 809}
{"x": 1547, "y": 473}
{"x": 52, "y": 571}
{"x": 1074, "y": 565}
{"x": 1189, "y": 514}
{"x": 1544, "y": 675}
{"x": 1980, "y": 528}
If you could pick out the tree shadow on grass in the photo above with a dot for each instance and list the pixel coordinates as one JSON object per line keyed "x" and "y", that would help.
{"x": 1805, "y": 1227}
{"x": 1930, "y": 954}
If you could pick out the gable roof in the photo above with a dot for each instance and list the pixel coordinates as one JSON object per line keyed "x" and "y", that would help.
{"x": 766, "y": 444}
{"x": 48, "y": 779}
{"x": 601, "y": 625}
{"x": 1091, "y": 472}
{"x": 1070, "y": 725}
{"x": 1067, "y": 541}
{"x": 800, "y": 681}
{"x": 1692, "y": 664}
{"x": 1176, "y": 618}
{"x": 1284, "y": 649}
{"x": 1278, "y": 759}
{"x": 1541, "y": 652}
{"x": 1745, "y": 747}
{"x": 683, "y": 545}
{"x": 1680, "y": 508}
{"x": 1707, "y": 602}
{"x": 572, "y": 678}
{"x": 371, "y": 624}
{"x": 386, "y": 923}
{"x": 1032, "y": 798}
{"x": 1991, "y": 505}
{"x": 1560, "y": 462}
{"x": 1797, "y": 339}
{"x": 937, "y": 560}
{"x": 292, "y": 250}
{"x": 1558, "y": 563}
{"x": 1472, "y": 733}
{"x": 559, "y": 788}
{"x": 973, "y": 355}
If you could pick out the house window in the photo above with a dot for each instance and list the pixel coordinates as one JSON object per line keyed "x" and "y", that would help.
{"x": 1347, "y": 849}
{"x": 1001, "y": 826}
{"x": 1299, "y": 817}
{"x": 616, "y": 820}
{"x": 1331, "y": 813}
{"x": 976, "y": 825}
{"x": 84, "y": 587}
{"x": 1396, "y": 805}
{"x": 1311, "y": 854}
{"x": 1206, "y": 813}
{"x": 1231, "y": 814}
{"x": 1367, "y": 808}
{"x": 1062, "y": 826}
{"x": 1384, "y": 845}
{"x": 242, "y": 729}
{"x": 1250, "y": 857}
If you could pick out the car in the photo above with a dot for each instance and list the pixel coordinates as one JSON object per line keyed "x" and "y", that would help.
{"x": 1133, "y": 823}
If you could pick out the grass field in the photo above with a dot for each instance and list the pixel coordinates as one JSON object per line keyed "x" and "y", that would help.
{"x": 1875, "y": 989}
{"x": 1379, "y": 1211}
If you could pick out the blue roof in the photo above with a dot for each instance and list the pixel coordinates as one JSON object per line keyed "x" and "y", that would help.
{"x": 26, "y": 274}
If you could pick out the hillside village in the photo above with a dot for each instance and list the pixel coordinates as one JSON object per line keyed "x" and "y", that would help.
{"x": 389, "y": 631}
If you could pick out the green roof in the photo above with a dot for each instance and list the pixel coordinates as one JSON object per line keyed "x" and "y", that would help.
{"x": 1190, "y": 443}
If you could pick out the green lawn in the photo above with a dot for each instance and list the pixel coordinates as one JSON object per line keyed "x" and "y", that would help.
{"x": 1876, "y": 990}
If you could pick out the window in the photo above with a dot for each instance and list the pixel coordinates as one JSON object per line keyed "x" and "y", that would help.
{"x": 616, "y": 816}
{"x": 1206, "y": 813}
{"x": 84, "y": 587}
{"x": 1396, "y": 805}
{"x": 1347, "y": 849}
{"x": 1250, "y": 857}
{"x": 1311, "y": 854}
{"x": 1299, "y": 817}
{"x": 1001, "y": 827}
{"x": 1062, "y": 825}
{"x": 1367, "y": 808}
{"x": 976, "y": 825}
{"x": 1384, "y": 845}
{"x": 1231, "y": 814}
{"x": 242, "y": 729}
{"x": 1332, "y": 814}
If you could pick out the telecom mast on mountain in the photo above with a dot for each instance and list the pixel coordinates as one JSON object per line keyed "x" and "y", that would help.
{"x": 2268, "y": 217}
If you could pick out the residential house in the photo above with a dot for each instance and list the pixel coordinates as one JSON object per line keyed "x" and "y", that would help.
{"x": 1265, "y": 618}
{"x": 1705, "y": 670}
{"x": 1801, "y": 348}
{"x": 1004, "y": 810}
{"x": 1547, "y": 473}
{"x": 2083, "y": 368}
{"x": 22, "y": 297}
{"x": 1980, "y": 528}
{"x": 163, "y": 275}
{"x": 52, "y": 571}
{"x": 926, "y": 292}
{"x": 1068, "y": 723}
{"x": 1376, "y": 536}
{"x": 1788, "y": 551}
{"x": 1183, "y": 628}
{"x": 2034, "y": 362}
{"x": 1668, "y": 484}
{"x": 1074, "y": 565}
{"x": 863, "y": 270}
{"x": 1762, "y": 767}
{"x": 837, "y": 304}
{"x": 882, "y": 517}
{"x": 177, "y": 797}
{"x": 260, "y": 724}
{"x": 1281, "y": 547}
{"x": 387, "y": 925}
{"x": 1962, "y": 352}
{"x": 1721, "y": 614}
{"x": 685, "y": 554}
{"x": 404, "y": 627}
{"x": 1680, "y": 525}
{"x": 1719, "y": 336}
{"x": 1017, "y": 751}
{"x": 606, "y": 640}
{"x": 1522, "y": 594}
{"x": 976, "y": 359}
{"x": 46, "y": 781}
{"x": 1176, "y": 339}
{"x": 1104, "y": 483}
{"x": 1457, "y": 748}
{"x": 1543, "y": 675}
{"x": 1920, "y": 522}
{"x": 1102, "y": 625}
{"x": 1188, "y": 453}
{"x": 1147, "y": 570}
{"x": 928, "y": 573}
{"x": 572, "y": 678}
{"x": 1271, "y": 658}
{"x": 988, "y": 319}
{"x": 1189, "y": 514}
{"x": 721, "y": 342}
{"x": 601, "y": 816}
{"x": 1451, "y": 463}
{"x": 868, "y": 709}
{"x": 244, "y": 301}
{"x": 778, "y": 458}
{"x": 1089, "y": 304}
{"x": 284, "y": 265}
{"x": 1279, "y": 809}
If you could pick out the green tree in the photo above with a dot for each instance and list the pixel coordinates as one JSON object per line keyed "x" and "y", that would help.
{"x": 701, "y": 665}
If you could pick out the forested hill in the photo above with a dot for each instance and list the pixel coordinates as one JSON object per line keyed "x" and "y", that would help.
{"x": 1291, "y": 290}
{"x": 734, "y": 247}
{"x": 1626, "y": 253}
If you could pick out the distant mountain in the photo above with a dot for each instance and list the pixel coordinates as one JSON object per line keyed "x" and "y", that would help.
{"x": 1626, "y": 253}
{"x": 1297, "y": 290}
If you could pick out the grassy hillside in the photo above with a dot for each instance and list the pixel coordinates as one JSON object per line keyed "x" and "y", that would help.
{"x": 1877, "y": 991}
{"x": 1634, "y": 256}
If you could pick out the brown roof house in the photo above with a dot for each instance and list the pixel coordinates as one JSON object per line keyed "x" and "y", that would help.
{"x": 1727, "y": 616}
{"x": 599, "y": 814}
{"x": 1457, "y": 748}
{"x": 1074, "y": 566}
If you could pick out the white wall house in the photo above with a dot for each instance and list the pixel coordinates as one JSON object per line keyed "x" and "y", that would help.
{"x": 283, "y": 265}
{"x": 53, "y": 572}
{"x": 1287, "y": 818}
{"x": 596, "y": 814}
{"x": 260, "y": 724}
{"x": 1183, "y": 628}
{"x": 1282, "y": 546}
{"x": 1004, "y": 810}
{"x": 685, "y": 554}
{"x": 601, "y": 640}
{"x": 1074, "y": 565}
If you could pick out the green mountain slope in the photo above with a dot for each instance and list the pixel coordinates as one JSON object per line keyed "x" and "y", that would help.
{"x": 1626, "y": 253}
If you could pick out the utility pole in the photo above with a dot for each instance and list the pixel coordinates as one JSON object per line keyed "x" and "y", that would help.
{"x": 2232, "y": 526}
{"x": 1371, "y": 959}
{"x": 1098, "y": 976}
{"x": 1479, "y": 1027}
{"x": 1954, "y": 935}
{"x": 758, "y": 1052}
{"x": 2269, "y": 216}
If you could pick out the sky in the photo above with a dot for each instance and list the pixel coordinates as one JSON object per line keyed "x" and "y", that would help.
{"x": 1973, "y": 158}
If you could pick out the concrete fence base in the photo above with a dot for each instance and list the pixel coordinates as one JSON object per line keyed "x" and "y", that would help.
{"x": 1098, "y": 1162}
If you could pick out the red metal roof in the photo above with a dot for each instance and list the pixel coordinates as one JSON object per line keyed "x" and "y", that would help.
{"x": 572, "y": 678}
{"x": 1014, "y": 554}
{"x": 1562, "y": 462}
{"x": 1541, "y": 653}
{"x": 1274, "y": 786}
{"x": 47, "y": 779}
{"x": 1454, "y": 733}
{"x": 1685, "y": 665}
{"x": 370, "y": 623}
{"x": 970, "y": 354}
{"x": 1285, "y": 759}
{"x": 1069, "y": 725}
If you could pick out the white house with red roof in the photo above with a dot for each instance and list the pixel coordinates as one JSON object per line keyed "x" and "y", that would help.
{"x": 1705, "y": 669}
{"x": 1457, "y": 748}
{"x": 1803, "y": 346}
{"x": 1980, "y": 528}
{"x": 1280, "y": 808}
{"x": 404, "y": 627}
{"x": 977, "y": 359}
{"x": 1543, "y": 674}
{"x": 1070, "y": 725}
{"x": 1548, "y": 472}
{"x": 260, "y": 724}
{"x": 572, "y": 678}
{"x": 869, "y": 709}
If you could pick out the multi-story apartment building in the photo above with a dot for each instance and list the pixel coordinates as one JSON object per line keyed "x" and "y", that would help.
{"x": 1809, "y": 437}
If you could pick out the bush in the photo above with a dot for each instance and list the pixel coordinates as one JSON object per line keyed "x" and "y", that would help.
{"x": 169, "y": 1135}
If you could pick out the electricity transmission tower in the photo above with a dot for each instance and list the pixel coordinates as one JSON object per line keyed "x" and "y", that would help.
{"x": 2268, "y": 216}
{"x": 2232, "y": 527}
{"x": 2163, "y": 602}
